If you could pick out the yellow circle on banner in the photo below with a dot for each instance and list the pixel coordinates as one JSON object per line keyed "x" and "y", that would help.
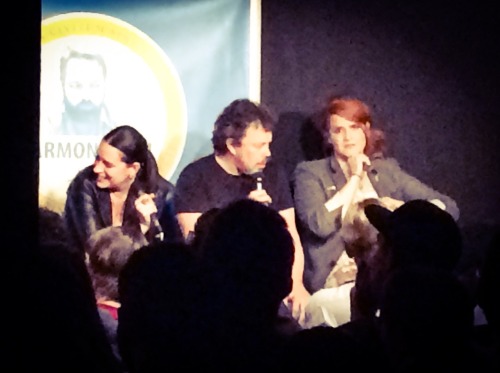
{"x": 94, "y": 24}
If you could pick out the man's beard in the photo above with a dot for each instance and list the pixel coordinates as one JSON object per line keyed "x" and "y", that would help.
{"x": 252, "y": 171}
{"x": 255, "y": 170}
{"x": 84, "y": 111}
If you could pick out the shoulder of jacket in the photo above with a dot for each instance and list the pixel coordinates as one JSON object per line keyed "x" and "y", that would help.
{"x": 313, "y": 163}
{"x": 83, "y": 177}
{"x": 385, "y": 161}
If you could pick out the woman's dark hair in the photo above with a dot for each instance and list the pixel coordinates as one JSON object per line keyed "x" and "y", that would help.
{"x": 234, "y": 120}
{"x": 354, "y": 110}
{"x": 135, "y": 149}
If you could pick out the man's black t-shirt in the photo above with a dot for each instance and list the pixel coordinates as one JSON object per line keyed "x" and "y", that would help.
{"x": 203, "y": 184}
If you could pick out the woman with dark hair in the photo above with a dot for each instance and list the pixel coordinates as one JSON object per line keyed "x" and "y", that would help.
{"x": 122, "y": 188}
{"x": 354, "y": 171}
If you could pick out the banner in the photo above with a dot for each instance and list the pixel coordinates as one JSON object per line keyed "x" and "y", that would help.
{"x": 167, "y": 68}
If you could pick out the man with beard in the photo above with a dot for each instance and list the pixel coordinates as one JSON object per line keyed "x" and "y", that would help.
{"x": 240, "y": 167}
{"x": 83, "y": 79}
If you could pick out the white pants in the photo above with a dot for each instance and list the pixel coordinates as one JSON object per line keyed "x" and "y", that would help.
{"x": 330, "y": 306}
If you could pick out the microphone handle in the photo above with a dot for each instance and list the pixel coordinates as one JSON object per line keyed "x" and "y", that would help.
{"x": 259, "y": 186}
{"x": 155, "y": 223}
{"x": 259, "y": 183}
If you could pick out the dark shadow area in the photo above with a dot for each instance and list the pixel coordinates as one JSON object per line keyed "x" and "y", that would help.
{"x": 295, "y": 139}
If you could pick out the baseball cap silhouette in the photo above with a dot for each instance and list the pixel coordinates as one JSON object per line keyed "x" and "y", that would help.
{"x": 419, "y": 233}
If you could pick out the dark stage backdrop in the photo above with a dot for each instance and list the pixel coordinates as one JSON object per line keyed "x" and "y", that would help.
{"x": 429, "y": 69}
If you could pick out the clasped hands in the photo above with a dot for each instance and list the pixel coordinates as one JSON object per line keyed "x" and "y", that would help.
{"x": 358, "y": 164}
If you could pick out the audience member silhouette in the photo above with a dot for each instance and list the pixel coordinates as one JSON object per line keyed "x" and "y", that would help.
{"x": 201, "y": 228}
{"x": 51, "y": 227}
{"x": 246, "y": 270}
{"x": 64, "y": 328}
{"x": 488, "y": 299}
{"x": 310, "y": 349}
{"x": 416, "y": 234}
{"x": 65, "y": 333}
{"x": 216, "y": 311}
{"x": 426, "y": 321}
{"x": 108, "y": 251}
{"x": 157, "y": 295}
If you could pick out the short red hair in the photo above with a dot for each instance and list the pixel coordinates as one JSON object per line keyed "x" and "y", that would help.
{"x": 357, "y": 111}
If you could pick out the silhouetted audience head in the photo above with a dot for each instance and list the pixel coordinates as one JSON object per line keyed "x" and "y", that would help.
{"x": 201, "y": 229}
{"x": 248, "y": 250}
{"x": 313, "y": 349}
{"x": 215, "y": 311}
{"x": 418, "y": 233}
{"x": 155, "y": 317}
{"x": 65, "y": 331}
{"x": 426, "y": 320}
{"x": 246, "y": 272}
{"x": 488, "y": 292}
{"x": 51, "y": 227}
{"x": 108, "y": 251}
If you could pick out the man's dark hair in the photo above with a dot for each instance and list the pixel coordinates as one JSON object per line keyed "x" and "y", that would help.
{"x": 234, "y": 120}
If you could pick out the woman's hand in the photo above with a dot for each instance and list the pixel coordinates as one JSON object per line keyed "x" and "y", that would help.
{"x": 357, "y": 164}
{"x": 145, "y": 206}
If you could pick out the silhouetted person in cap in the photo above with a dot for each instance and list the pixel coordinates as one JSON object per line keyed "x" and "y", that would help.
{"x": 417, "y": 234}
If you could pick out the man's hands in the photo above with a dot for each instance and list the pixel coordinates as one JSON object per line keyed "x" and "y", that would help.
{"x": 260, "y": 195}
{"x": 296, "y": 301}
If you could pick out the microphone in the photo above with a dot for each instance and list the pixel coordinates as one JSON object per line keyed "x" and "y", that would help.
{"x": 258, "y": 180}
{"x": 374, "y": 173}
{"x": 155, "y": 229}
{"x": 155, "y": 224}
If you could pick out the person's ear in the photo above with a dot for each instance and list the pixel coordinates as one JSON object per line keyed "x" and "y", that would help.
{"x": 230, "y": 144}
{"x": 367, "y": 124}
{"x": 134, "y": 169}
